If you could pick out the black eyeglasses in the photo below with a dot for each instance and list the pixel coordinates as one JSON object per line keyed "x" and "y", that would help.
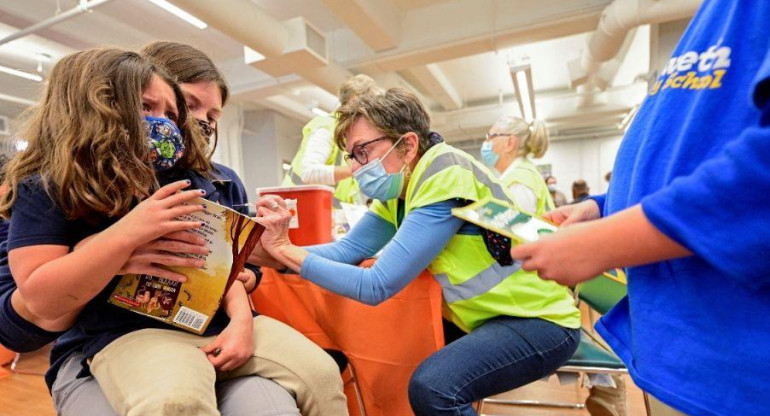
{"x": 493, "y": 135}
{"x": 206, "y": 127}
{"x": 359, "y": 152}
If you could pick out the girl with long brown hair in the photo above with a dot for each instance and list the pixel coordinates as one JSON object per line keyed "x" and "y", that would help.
{"x": 88, "y": 175}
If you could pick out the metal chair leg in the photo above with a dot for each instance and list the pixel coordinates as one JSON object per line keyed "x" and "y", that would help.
{"x": 357, "y": 390}
{"x": 647, "y": 410}
{"x": 538, "y": 403}
{"x": 15, "y": 362}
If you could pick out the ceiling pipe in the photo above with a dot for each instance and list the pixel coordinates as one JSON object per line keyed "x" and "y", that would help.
{"x": 617, "y": 20}
{"x": 84, "y": 6}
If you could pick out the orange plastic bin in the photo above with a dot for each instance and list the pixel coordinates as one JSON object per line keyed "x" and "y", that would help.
{"x": 312, "y": 212}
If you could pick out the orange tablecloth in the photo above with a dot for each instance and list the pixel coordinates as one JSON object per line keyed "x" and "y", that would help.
{"x": 384, "y": 343}
{"x": 6, "y": 356}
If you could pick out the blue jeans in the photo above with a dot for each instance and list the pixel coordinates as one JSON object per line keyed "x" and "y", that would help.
{"x": 501, "y": 355}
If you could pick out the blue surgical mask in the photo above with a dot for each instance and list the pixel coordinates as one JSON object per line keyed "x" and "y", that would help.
{"x": 165, "y": 142}
{"x": 488, "y": 155}
{"x": 375, "y": 182}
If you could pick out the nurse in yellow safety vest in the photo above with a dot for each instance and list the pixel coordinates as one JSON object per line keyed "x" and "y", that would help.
{"x": 318, "y": 160}
{"x": 509, "y": 143}
{"x": 516, "y": 328}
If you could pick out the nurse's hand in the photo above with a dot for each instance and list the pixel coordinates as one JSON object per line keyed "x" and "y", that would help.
{"x": 275, "y": 216}
{"x": 570, "y": 214}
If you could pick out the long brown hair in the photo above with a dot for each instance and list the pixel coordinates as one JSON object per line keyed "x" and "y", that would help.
{"x": 190, "y": 66}
{"x": 87, "y": 136}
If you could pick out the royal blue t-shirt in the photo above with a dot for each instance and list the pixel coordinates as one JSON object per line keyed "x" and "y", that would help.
{"x": 695, "y": 332}
{"x": 36, "y": 219}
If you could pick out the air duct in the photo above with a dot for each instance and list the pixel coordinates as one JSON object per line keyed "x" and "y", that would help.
{"x": 278, "y": 48}
{"x": 617, "y": 20}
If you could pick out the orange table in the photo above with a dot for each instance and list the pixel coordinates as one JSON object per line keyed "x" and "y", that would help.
{"x": 384, "y": 343}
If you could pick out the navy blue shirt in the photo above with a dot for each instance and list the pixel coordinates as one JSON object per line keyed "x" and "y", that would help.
{"x": 36, "y": 219}
{"x": 694, "y": 331}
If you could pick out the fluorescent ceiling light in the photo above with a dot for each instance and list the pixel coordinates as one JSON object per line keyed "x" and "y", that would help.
{"x": 521, "y": 75}
{"x": 21, "y": 74}
{"x": 15, "y": 99}
{"x": 317, "y": 111}
{"x": 524, "y": 92}
{"x": 176, "y": 11}
{"x": 21, "y": 145}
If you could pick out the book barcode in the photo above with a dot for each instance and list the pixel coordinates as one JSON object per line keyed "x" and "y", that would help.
{"x": 190, "y": 318}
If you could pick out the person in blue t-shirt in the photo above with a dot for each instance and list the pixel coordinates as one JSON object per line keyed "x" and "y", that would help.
{"x": 687, "y": 213}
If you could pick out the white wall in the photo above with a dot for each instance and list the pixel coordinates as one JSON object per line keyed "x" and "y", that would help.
{"x": 588, "y": 159}
{"x": 570, "y": 160}
{"x": 230, "y": 131}
{"x": 267, "y": 140}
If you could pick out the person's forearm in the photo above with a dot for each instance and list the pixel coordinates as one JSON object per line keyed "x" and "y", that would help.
{"x": 260, "y": 257}
{"x": 59, "y": 324}
{"x": 291, "y": 256}
{"x": 236, "y": 303}
{"x": 64, "y": 285}
{"x": 342, "y": 172}
{"x": 629, "y": 239}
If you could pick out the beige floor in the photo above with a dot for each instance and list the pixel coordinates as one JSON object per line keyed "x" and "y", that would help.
{"x": 26, "y": 394}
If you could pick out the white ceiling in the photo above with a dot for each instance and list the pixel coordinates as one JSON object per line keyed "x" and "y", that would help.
{"x": 454, "y": 53}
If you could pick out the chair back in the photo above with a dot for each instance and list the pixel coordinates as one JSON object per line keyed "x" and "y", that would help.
{"x": 602, "y": 292}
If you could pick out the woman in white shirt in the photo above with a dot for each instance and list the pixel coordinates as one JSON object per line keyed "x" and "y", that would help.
{"x": 507, "y": 148}
{"x": 318, "y": 160}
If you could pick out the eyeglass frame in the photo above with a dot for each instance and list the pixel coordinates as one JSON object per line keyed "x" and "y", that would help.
{"x": 362, "y": 146}
{"x": 494, "y": 135}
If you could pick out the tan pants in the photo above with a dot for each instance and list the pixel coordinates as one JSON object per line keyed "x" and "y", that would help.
{"x": 163, "y": 372}
{"x": 657, "y": 408}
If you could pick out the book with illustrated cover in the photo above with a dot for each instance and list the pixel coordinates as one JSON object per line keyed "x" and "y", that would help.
{"x": 506, "y": 220}
{"x": 230, "y": 237}
{"x": 520, "y": 227}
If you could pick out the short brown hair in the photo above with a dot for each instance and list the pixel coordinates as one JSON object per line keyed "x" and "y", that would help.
{"x": 579, "y": 187}
{"x": 357, "y": 86}
{"x": 394, "y": 113}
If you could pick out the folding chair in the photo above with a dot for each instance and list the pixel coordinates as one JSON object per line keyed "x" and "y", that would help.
{"x": 591, "y": 356}
{"x": 343, "y": 363}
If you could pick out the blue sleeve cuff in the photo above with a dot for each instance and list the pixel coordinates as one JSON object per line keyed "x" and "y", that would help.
{"x": 599, "y": 199}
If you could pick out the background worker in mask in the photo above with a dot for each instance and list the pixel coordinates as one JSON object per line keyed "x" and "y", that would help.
{"x": 516, "y": 328}
{"x": 509, "y": 143}
{"x": 558, "y": 198}
{"x": 318, "y": 160}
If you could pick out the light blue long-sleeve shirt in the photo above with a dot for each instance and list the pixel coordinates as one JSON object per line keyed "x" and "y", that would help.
{"x": 407, "y": 252}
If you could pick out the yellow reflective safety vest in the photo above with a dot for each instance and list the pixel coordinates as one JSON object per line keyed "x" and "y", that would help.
{"x": 525, "y": 173}
{"x": 475, "y": 286}
{"x": 346, "y": 189}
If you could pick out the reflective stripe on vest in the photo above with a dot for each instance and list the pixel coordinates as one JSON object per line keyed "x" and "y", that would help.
{"x": 447, "y": 160}
{"x": 477, "y": 285}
